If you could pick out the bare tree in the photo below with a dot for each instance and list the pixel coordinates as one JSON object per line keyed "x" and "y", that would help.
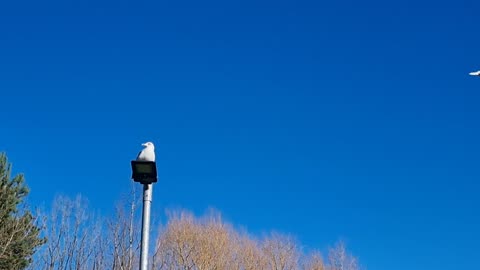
{"x": 214, "y": 248}
{"x": 314, "y": 261}
{"x": 197, "y": 244}
{"x": 79, "y": 240}
{"x": 281, "y": 252}
{"x": 208, "y": 243}
{"x": 123, "y": 235}
{"x": 248, "y": 253}
{"x": 73, "y": 236}
{"x": 175, "y": 247}
{"x": 340, "y": 259}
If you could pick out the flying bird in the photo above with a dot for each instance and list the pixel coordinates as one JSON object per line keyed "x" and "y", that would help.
{"x": 475, "y": 73}
{"x": 148, "y": 153}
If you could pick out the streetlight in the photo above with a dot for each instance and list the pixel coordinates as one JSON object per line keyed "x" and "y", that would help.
{"x": 145, "y": 172}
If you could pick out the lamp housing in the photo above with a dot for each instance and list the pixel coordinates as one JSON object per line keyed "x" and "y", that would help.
{"x": 144, "y": 172}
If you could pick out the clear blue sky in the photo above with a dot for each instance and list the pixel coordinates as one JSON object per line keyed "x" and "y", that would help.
{"x": 325, "y": 119}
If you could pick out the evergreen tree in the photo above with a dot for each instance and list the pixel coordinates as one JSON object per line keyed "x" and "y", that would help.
{"x": 19, "y": 235}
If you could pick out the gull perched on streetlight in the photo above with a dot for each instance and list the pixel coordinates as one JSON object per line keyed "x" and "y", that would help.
{"x": 148, "y": 153}
{"x": 475, "y": 73}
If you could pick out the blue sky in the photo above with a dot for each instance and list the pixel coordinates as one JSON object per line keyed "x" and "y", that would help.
{"x": 326, "y": 120}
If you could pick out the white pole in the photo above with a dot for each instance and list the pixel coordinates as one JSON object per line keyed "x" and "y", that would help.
{"x": 147, "y": 201}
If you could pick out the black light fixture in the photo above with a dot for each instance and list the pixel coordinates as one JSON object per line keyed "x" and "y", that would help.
{"x": 144, "y": 172}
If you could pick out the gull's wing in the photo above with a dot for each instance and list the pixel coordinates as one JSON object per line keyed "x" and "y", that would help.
{"x": 475, "y": 73}
{"x": 139, "y": 154}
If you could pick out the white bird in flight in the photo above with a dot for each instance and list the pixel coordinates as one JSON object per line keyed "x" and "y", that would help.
{"x": 475, "y": 73}
{"x": 148, "y": 153}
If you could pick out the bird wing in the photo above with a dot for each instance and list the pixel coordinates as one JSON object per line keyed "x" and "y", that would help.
{"x": 141, "y": 155}
{"x": 146, "y": 155}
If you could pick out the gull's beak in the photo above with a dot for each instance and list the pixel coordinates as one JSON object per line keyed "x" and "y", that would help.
{"x": 144, "y": 144}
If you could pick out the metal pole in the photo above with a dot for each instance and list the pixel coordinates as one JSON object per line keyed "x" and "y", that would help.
{"x": 147, "y": 200}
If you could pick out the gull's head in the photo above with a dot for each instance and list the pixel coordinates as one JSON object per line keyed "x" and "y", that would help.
{"x": 148, "y": 145}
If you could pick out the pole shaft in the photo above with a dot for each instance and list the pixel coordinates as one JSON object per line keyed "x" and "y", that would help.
{"x": 147, "y": 200}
